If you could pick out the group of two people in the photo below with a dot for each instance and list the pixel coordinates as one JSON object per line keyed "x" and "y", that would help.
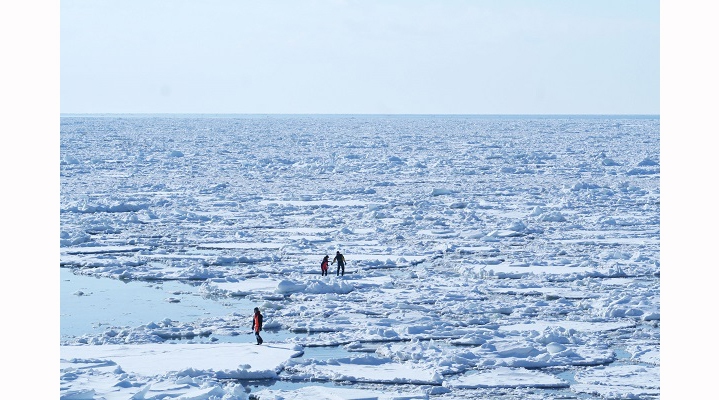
{"x": 339, "y": 258}
{"x": 257, "y": 317}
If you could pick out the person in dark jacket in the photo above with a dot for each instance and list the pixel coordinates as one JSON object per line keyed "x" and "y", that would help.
{"x": 257, "y": 325}
{"x": 325, "y": 265}
{"x": 340, "y": 263}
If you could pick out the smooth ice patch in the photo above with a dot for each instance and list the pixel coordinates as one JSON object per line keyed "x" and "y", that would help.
{"x": 326, "y": 393}
{"x": 504, "y": 377}
{"x": 368, "y": 369}
{"x": 229, "y": 360}
{"x": 583, "y": 326}
{"x": 619, "y": 381}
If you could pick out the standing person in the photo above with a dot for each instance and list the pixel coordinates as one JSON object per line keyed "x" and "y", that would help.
{"x": 325, "y": 265}
{"x": 257, "y": 325}
{"x": 340, "y": 263}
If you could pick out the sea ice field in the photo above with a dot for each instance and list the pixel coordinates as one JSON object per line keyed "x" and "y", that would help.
{"x": 512, "y": 257}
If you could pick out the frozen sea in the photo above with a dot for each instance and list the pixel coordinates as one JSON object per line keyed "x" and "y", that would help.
{"x": 487, "y": 256}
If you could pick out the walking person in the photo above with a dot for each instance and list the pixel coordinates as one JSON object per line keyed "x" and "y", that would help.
{"x": 340, "y": 263}
{"x": 257, "y": 325}
{"x": 325, "y": 265}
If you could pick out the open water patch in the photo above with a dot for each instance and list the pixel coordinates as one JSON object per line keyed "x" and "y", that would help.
{"x": 91, "y": 305}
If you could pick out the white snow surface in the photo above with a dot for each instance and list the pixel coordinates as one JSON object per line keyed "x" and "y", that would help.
{"x": 512, "y": 257}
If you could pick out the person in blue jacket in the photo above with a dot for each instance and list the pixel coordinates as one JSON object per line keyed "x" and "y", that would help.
{"x": 340, "y": 263}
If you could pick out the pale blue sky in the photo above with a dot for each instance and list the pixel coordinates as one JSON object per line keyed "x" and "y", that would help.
{"x": 323, "y": 56}
{"x": 123, "y": 60}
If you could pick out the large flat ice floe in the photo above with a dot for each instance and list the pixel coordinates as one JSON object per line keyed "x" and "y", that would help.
{"x": 120, "y": 371}
{"x": 227, "y": 360}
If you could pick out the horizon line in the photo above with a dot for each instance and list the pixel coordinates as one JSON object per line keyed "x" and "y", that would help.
{"x": 359, "y": 114}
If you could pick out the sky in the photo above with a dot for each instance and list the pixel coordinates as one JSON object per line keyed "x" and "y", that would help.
{"x": 366, "y": 57}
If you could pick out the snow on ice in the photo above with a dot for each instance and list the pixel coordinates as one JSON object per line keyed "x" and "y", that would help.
{"x": 514, "y": 257}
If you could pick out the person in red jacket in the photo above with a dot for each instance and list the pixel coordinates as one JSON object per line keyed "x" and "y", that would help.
{"x": 325, "y": 265}
{"x": 257, "y": 325}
